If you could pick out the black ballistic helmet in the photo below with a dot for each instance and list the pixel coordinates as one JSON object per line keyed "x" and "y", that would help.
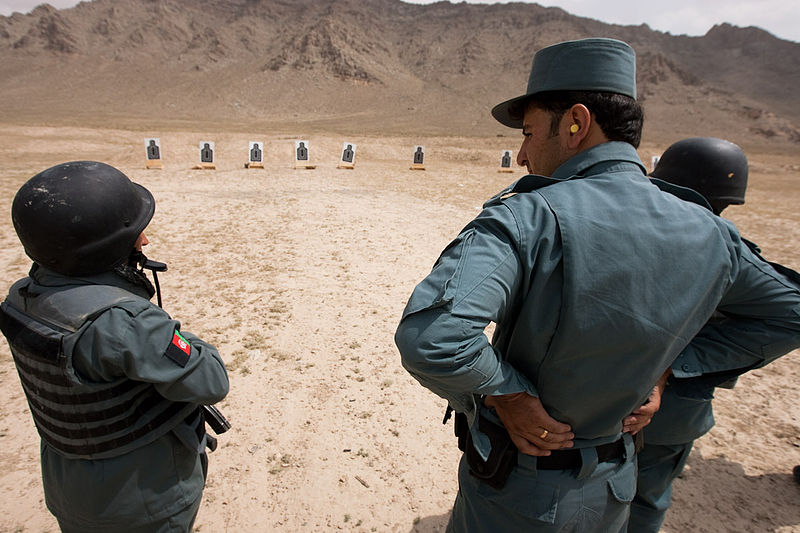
{"x": 715, "y": 168}
{"x": 81, "y": 218}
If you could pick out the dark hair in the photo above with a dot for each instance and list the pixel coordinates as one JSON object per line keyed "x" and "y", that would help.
{"x": 619, "y": 116}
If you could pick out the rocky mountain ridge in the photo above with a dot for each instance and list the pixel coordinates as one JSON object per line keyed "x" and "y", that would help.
{"x": 369, "y": 65}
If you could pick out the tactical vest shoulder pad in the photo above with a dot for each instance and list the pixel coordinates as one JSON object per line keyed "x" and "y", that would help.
{"x": 33, "y": 338}
{"x": 74, "y": 306}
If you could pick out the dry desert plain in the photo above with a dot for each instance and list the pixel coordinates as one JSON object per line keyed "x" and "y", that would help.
{"x": 300, "y": 276}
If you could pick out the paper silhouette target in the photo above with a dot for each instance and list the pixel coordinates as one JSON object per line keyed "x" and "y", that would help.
{"x": 255, "y": 155}
{"x": 505, "y": 161}
{"x": 152, "y": 148}
{"x": 418, "y": 160}
{"x": 256, "y": 152}
{"x": 348, "y": 159}
{"x": 302, "y": 155}
{"x": 152, "y": 151}
{"x": 206, "y": 151}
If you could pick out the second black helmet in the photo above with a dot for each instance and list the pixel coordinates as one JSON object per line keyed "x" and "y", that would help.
{"x": 715, "y": 168}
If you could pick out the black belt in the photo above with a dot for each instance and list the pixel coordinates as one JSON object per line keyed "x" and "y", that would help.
{"x": 569, "y": 459}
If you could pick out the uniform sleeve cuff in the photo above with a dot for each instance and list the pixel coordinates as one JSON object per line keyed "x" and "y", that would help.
{"x": 686, "y": 366}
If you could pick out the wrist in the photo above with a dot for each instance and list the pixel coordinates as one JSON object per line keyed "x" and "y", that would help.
{"x": 505, "y": 399}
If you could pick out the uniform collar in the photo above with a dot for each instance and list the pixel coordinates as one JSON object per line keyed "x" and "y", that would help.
{"x": 49, "y": 278}
{"x": 605, "y": 154}
{"x": 595, "y": 160}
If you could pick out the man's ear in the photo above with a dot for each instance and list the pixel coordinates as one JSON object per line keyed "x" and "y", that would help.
{"x": 577, "y": 122}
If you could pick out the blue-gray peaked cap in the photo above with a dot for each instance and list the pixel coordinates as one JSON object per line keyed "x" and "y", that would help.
{"x": 596, "y": 64}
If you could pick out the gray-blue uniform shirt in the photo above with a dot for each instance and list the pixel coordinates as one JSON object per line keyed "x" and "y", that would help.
{"x": 597, "y": 281}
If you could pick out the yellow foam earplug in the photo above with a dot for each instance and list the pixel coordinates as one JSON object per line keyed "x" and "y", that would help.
{"x": 574, "y": 128}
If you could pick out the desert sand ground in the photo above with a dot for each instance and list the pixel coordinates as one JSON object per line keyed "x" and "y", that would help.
{"x": 300, "y": 276}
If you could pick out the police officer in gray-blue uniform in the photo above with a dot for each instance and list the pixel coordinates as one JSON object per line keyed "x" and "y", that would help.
{"x": 114, "y": 385}
{"x": 600, "y": 284}
{"x": 716, "y": 169}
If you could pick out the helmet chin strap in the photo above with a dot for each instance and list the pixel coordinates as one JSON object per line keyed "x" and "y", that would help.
{"x": 138, "y": 259}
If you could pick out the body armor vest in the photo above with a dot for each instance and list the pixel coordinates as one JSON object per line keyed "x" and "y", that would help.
{"x": 77, "y": 417}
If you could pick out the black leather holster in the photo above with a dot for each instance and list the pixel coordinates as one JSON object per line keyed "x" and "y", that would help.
{"x": 494, "y": 471}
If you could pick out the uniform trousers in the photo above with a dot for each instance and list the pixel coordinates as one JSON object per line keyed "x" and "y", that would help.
{"x": 659, "y": 465}
{"x": 181, "y": 522}
{"x": 594, "y": 499}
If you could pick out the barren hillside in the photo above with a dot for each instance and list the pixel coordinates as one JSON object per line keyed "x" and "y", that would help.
{"x": 367, "y": 66}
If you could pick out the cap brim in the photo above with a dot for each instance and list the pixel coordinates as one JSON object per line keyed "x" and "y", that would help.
{"x": 511, "y": 112}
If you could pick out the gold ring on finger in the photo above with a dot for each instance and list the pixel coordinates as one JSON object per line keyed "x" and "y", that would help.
{"x": 544, "y": 434}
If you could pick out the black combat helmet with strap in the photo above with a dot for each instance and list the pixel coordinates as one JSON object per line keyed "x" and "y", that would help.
{"x": 715, "y": 168}
{"x": 81, "y": 218}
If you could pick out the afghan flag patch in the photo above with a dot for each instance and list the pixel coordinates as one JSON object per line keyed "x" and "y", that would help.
{"x": 179, "y": 349}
